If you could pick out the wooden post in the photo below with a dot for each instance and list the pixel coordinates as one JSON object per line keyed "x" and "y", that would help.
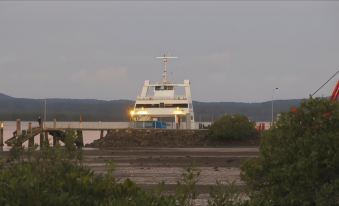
{"x": 30, "y": 133}
{"x": 1, "y": 133}
{"x": 46, "y": 138}
{"x": 80, "y": 138}
{"x": 80, "y": 122}
{"x": 42, "y": 138}
{"x": 55, "y": 141}
{"x": 101, "y": 134}
{"x": 18, "y": 127}
{"x": 18, "y": 132}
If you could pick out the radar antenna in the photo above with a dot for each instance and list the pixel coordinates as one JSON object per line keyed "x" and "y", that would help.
{"x": 165, "y": 60}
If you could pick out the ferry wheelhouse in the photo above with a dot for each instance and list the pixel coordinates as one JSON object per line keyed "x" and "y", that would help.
{"x": 160, "y": 102}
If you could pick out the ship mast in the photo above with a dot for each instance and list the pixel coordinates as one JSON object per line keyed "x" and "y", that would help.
{"x": 165, "y": 60}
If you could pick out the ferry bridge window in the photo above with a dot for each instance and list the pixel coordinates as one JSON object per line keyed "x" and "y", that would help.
{"x": 159, "y": 88}
{"x": 147, "y": 105}
{"x": 161, "y": 105}
{"x": 176, "y": 105}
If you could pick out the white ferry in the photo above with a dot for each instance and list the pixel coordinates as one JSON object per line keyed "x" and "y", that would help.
{"x": 160, "y": 103}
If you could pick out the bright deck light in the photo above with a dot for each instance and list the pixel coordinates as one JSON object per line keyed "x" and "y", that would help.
{"x": 178, "y": 112}
{"x": 142, "y": 112}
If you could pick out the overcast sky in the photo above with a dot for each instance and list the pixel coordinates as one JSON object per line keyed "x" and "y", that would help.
{"x": 231, "y": 51}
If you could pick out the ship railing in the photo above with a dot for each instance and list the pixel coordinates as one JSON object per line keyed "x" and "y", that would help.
{"x": 162, "y": 98}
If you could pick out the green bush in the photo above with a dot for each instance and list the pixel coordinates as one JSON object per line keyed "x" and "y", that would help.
{"x": 299, "y": 159}
{"x": 232, "y": 127}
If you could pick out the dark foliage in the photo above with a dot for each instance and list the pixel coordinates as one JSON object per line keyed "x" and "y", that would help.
{"x": 232, "y": 127}
{"x": 299, "y": 159}
{"x": 56, "y": 176}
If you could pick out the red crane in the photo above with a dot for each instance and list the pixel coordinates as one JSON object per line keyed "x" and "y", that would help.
{"x": 335, "y": 93}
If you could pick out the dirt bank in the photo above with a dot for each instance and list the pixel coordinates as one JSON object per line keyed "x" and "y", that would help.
{"x": 163, "y": 138}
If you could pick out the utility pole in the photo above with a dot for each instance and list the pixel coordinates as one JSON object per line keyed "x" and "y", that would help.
{"x": 272, "y": 122}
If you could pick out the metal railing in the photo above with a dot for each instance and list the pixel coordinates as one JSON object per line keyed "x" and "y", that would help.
{"x": 162, "y": 98}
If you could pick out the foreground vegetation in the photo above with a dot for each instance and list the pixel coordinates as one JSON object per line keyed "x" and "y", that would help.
{"x": 298, "y": 165}
{"x": 56, "y": 176}
{"x": 299, "y": 159}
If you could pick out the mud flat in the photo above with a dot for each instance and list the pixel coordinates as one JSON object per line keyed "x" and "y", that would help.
{"x": 150, "y": 166}
{"x": 151, "y": 156}
{"x": 153, "y": 165}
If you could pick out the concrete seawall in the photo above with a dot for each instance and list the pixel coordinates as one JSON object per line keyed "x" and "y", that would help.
{"x": 162, "y": 138}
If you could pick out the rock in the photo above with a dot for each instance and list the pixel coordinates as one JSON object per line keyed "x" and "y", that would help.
{"x": 164, "y": 138}
{"x": 151, "y": 138}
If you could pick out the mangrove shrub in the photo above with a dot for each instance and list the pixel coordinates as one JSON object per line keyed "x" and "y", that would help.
{"x": 299, "y": 158}
{"x": 232, "y": 127}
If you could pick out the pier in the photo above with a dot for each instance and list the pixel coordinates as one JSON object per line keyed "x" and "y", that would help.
{"x": 58, "y": 132}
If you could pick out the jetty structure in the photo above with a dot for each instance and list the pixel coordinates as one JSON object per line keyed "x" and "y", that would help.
{"x": 161, "y": 103}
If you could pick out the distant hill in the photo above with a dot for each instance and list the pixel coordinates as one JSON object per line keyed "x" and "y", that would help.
{"x": 12, "y": 108}
{"x": 209, "y": 111}
{"x": 4, "y": 97}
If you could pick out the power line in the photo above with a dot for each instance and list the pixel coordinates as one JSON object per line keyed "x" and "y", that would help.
{"x": 325, "y": 83}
